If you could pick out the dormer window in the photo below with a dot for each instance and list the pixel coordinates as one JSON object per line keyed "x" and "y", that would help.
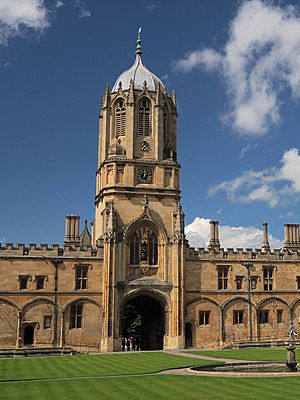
{"x": 120, "y": 118}
{"x": 144, "y": 115}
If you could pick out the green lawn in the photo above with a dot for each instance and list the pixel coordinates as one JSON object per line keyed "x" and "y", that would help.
{"x": 86, "y": 365}
{"x": 160, "y": 387}
{"x": 85, "y": 377}
{"x": 260, "y": 354}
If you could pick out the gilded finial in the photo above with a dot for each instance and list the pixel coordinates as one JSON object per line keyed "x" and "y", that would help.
{"x": 139, "y": 42}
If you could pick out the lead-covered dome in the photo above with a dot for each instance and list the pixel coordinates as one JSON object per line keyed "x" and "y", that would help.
{"x": 138, "y": 74}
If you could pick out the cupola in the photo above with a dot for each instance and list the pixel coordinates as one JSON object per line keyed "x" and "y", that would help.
{"x": 138, "y": 74}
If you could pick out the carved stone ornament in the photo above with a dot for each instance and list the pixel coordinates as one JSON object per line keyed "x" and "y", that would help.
{"x": 144, "y": 146}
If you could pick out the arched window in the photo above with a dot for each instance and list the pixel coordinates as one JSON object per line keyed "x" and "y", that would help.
{"x": 153, "y": 250}
{"x": 120, "y": 118}
{"x": 144, "y": 247}
{"x": 135, "y": 250}
{"x": 144, "y": 116}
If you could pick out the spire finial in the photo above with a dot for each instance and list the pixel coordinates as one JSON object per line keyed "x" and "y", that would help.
{"x": 139, "y": 42}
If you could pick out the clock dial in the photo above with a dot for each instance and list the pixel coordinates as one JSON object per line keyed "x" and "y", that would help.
{"x": 144, "y": 175}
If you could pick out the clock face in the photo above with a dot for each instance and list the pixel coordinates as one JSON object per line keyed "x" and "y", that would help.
{"x": 144, "y": 175}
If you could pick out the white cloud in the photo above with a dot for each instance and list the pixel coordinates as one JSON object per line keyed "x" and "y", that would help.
{"x": 59, "y": 4}
{"x": 260, "y": 60}
{"x": 230, "y": 236}
{"x": 207, "y": 58}
{"x": 19, "y": 16}
{"x": 273, "y": 185}
{"x": 83, "y": 9}
{"x": 246, "y": 149}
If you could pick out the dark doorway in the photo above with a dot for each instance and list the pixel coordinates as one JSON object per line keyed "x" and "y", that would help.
{"x": 28, "y": 335}
{"x": 143, "y": 318}
{"x": 188, "y": 335}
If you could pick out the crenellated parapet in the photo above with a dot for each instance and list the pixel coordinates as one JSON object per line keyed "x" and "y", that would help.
{"x": 54, "y": 250}
{"x": 238, "y": 254}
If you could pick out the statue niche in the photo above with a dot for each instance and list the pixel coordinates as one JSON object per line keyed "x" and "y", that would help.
{"x": 144, "y": 248}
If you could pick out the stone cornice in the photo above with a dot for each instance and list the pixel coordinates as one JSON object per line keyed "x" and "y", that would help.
{"x": 139, "y": 161}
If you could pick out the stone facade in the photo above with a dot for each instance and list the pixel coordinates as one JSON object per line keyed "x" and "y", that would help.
{"x": 74, "y": 295}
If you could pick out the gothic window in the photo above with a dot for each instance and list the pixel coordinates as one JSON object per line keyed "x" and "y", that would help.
{"x": 135, "y": 250}
{"x": 120, "y": 118}
{"x": 268, "y": 279}
{"x": 222, "y": 278}
{"x": 76, "y": 316}
{"x": 144, "y": 116}
{"x": 153, "y": 249}
{"x": 144, "y": 247}
{"x": 204, "y": 318}
{"x": 81, "y": 278}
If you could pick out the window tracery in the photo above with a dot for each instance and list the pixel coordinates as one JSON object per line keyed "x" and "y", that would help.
{"x": 120, "y": 118}
{"x": 144, "y": 116}
{"x": 144, "y": 247}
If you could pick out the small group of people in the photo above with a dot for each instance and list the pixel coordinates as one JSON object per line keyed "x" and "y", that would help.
{"x": 131, "y": 343}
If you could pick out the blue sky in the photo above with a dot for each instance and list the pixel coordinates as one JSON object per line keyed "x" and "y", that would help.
{"x": 235, "y": 67}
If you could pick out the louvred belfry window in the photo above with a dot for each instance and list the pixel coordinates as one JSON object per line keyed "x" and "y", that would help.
{"x": 144, "y": 118}
{"x": 120, "y": 118}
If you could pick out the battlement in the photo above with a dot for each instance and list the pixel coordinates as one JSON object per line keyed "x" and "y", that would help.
{"x": 242, "y": 254}
{"x": 50, "y": 250}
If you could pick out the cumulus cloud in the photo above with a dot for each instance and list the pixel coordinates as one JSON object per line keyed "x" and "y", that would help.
{"x": 59, "y": 4}
{"x": 259, "y": 61}
{"x": 19, "y": 16}
{"x": 230, "y": 236}
{"x": 272, "y": 185}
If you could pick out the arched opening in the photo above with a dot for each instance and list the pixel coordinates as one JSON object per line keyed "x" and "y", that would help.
{"x": 144, "y": 247}
{"x": 28, "y": 335}
{"x": 188, "y": 335}
{"x": 143, "y": 318}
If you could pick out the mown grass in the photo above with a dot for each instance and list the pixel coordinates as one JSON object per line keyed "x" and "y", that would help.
{"x": 84, "y": 377}
{"x": 87, "y": 365}
{"x": 160, "y": 387}
{"x": 253, "y": 354}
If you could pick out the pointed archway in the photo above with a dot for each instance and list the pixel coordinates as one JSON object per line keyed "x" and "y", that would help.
{"x": 143, "y": 318}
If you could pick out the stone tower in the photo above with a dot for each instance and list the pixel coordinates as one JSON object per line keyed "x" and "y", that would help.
{"x": 138, "y": 214}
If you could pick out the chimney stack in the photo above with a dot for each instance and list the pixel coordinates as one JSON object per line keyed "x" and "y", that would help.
{"x": 265, "y": 245}
{"x": 214, "y": 242}
{"x": 72, "y": 229}
{"x": 291, "y": 236}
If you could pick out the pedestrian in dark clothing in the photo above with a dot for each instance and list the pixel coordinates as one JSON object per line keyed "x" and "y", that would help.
{"x": 132, "y": 343}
